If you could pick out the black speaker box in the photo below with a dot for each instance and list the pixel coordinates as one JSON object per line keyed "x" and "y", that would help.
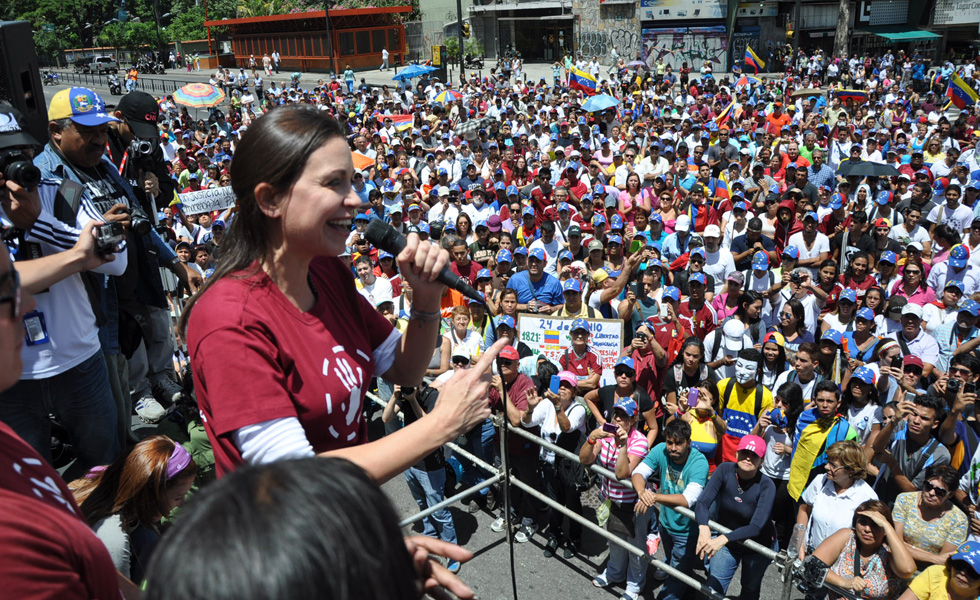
{"x": 20, "y": 77}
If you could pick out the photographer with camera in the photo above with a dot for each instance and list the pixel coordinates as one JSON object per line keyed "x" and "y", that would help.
{"x": 142, "y": 295}
{"x": 64, "y": 371}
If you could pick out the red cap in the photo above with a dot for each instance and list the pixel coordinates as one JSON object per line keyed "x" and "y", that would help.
{"x": 912, "y": 360}
{"x": 509, "y": 353}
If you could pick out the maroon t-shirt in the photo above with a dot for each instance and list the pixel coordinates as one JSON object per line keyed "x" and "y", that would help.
{"x": 582, "y": 367}
{"x": 517, "y": 394}
{"x": 47, "y": 550}
{"x": 468, "y": 272}
{"x": 256, "y": 357}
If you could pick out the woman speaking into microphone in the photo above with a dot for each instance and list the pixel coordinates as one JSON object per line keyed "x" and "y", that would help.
{"x": 282, "y": 346}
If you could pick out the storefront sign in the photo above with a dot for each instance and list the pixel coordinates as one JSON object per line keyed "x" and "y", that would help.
{"x": 956, "y": 12}
{"x": 673, "y": 10}
{"x": 549, "y": 336}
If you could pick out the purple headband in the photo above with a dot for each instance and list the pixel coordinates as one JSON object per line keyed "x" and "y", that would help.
{"x": 177, "y": 462}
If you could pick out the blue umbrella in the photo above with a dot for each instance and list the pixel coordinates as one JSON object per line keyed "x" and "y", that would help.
{"x": 599, "y": 103}
{"x": 413, "y": 71}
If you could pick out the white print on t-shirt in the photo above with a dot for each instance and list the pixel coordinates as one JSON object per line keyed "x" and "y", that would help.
{"x": 353, "y": 381}
{"x": 41, "y": 486}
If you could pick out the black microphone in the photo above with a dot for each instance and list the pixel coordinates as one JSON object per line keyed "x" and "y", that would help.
{"x": 384, "y": 236}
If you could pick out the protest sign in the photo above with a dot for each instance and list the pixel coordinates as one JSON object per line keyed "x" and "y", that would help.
{"x": 209, "y": 200}
{"x": 549, "y": 336}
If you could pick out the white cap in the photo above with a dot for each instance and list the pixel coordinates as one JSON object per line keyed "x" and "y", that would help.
{"x": 912, "y": 309}
{"x": 734, "y": 334}
{"x": 381, "y": 297}
{"x": 710, "y": 231}
{"x": 683, "y": 223}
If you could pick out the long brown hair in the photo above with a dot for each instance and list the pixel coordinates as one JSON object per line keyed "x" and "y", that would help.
{"x": 274, "y": 150}
{"x": 134, "y": 486}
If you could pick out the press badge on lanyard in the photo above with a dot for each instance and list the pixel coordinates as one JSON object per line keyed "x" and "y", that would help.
{"x": 35, "y": 329}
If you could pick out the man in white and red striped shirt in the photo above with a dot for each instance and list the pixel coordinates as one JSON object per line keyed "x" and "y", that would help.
{"x": 621, "y": 452}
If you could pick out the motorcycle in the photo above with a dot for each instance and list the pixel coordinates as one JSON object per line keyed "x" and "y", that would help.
{"x": 472, "y": 62}
{"x": 49, "y": 78}
{"x": 115, "y": 88}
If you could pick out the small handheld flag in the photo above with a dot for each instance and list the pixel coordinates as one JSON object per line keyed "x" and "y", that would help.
{"x": 580, "y": 80}
{"x": 960, "y": 93}
{"x": 724, "y": 115}
{"x": 752, "y": 60}
{"x": 855, "y": 95}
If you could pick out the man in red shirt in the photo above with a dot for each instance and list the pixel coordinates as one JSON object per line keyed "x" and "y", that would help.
{"x": 700, "y": 317}
{"x": 462, "y": 265}
{"x": 541, "y": 195}
{"x": 581, "y": 359}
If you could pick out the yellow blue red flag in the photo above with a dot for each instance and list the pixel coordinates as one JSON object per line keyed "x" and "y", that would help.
{"x": 580, "y": 80}
{"x": 960, "y": 93}
{"x": 752, "y": 60}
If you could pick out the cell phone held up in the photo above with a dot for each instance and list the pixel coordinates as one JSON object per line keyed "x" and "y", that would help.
{"x": 108, "y": 236}
{"x": 692, "y": 397}
{"x": 610, "y": 427}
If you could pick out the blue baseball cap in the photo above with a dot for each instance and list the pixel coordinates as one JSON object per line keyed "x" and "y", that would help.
{"x": 698, "y": 278}
{"x": 504, "y": 255}
{"x": 811, "y": 215}
{"x": 837, "y": 201}
{"x": 969, "y": 552}
{"x": 791, "y": 252}
{"x": 481, "y": 300}
{"x": 504, "y": 320}
{"x": 565, "y": 255}
{"x": 362, "y": 217}
{"x": 865, "y": 375}
{"x": 512, "y": 190}
{"x": 883, "y": 197}
{"x": 971, "y": 307}
{"x": 484, "y": 274}
{"x": 423, "y": 227}
{"x": 888, "y": 257}
{"x": 614, "y": 239}
{"x": 627, "y": 405}
{"x": 450, "y": 226}
{"x": 624, "y": 361}
{"x": 672, "y": 293}
{"x": 616, "y": 222}
{"x": 697, "y": 252}
{"x": 571, "y": 285}
{"x": 598, "y": 189}
{"x": 955, "y": 283}
{"x": 527, "y": 210}
{"x": 500, "y": 185}
{"x": 760, "y": 261}
{"x": 382, "y": 254}
{"x": 537, "y": 253}
{"x": 578, "y": 324}
{"x": 598, "y": 219}
{"x": 481, "y": 223}
{"x": 865, "y": 313}
{"x": 832, "y": 335}
{"x": 959, "y": 255}
{"x": 563, "y": 207}
{"x": 848, "y": 294}
{"x": 520, "y": 251}
{"x": 81, "y": 105}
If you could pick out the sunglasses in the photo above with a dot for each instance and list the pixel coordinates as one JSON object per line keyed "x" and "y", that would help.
{"x": 624, "y": 373}
{"x": 962, "y": 565}
{"x": 960, "y": 371}
{"x": 14, "y": 296}
{"x": 506, "y": 362}
{"x": 912, "y": 370}
{"x": 460, "y": 360}
{"x": 936, "y": 489}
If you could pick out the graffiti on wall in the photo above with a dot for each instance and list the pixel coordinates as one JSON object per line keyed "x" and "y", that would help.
{"x": 604, "y": 28}
{"x": 693, "y": 45}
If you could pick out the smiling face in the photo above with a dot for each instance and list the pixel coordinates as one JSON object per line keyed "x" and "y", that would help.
{"x": 315, "y": 213}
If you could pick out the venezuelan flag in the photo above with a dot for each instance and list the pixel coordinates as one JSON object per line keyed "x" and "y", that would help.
{"x": 724, "y": 115}
{"x": 402, "y": 122}
{"x": 551, "y": 337}
{"x": 936, "y": 79}
{"x": 580, "y": 80}
{"x": 960, "y": 93}
{"x": 746, "y": 80}
{"x": 855, "y": 95}
{"x": 752, "y": 60}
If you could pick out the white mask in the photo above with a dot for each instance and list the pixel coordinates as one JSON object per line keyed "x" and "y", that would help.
{"x": 745, "y": 370}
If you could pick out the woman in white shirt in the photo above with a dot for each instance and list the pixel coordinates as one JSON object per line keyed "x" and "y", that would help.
{"x": 561, "y": 418}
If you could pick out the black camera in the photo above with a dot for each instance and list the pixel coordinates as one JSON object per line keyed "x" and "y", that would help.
{"x": 144, "y": 154}
{"x": 953, "y": 386}
{"x": 811, "y": 574}
{"x": 408, "y": 391}
{"x": 796, "y": 278}
{"x": 139, "y": 221}
{"x": 16, "y": 165}
{"x": 108, "y": 237}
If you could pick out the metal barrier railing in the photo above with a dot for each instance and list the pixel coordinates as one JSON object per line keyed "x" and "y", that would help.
{"x": 146, "y": 84}
{"x": 784, "y": 562}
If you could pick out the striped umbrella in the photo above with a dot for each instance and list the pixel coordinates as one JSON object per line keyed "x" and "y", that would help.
{"x": 448, "y": 96}
{"x": 199, "y": 95}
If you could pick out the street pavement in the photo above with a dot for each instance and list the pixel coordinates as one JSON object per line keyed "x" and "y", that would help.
{"x": 540, "y": 578}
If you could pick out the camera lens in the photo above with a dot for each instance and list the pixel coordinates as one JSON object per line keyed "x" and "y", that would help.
{"x": 23, "y": 173}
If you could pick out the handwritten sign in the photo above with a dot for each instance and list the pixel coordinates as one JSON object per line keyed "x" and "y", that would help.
{"x": 207, "y": 200}
{"x": 549, "y": 336}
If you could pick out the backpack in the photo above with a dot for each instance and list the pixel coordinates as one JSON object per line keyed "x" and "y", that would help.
{"x": 728, "y": 392}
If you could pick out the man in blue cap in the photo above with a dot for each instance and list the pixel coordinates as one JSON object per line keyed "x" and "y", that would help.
{"x": 537, "y": 291}
{"x": 960, "y": 336}
{"x": 957, "y": 267}
{"x": 63, "y": 356}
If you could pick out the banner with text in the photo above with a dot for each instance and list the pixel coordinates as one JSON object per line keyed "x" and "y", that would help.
{"x": 549, "y": 336}
{"x": 209, "y": 200}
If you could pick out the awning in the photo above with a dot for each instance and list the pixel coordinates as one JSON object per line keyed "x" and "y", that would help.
{"x": 902, "y": 35}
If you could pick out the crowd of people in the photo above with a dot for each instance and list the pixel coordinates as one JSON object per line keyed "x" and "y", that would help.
{"x": 796, "y": 271}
